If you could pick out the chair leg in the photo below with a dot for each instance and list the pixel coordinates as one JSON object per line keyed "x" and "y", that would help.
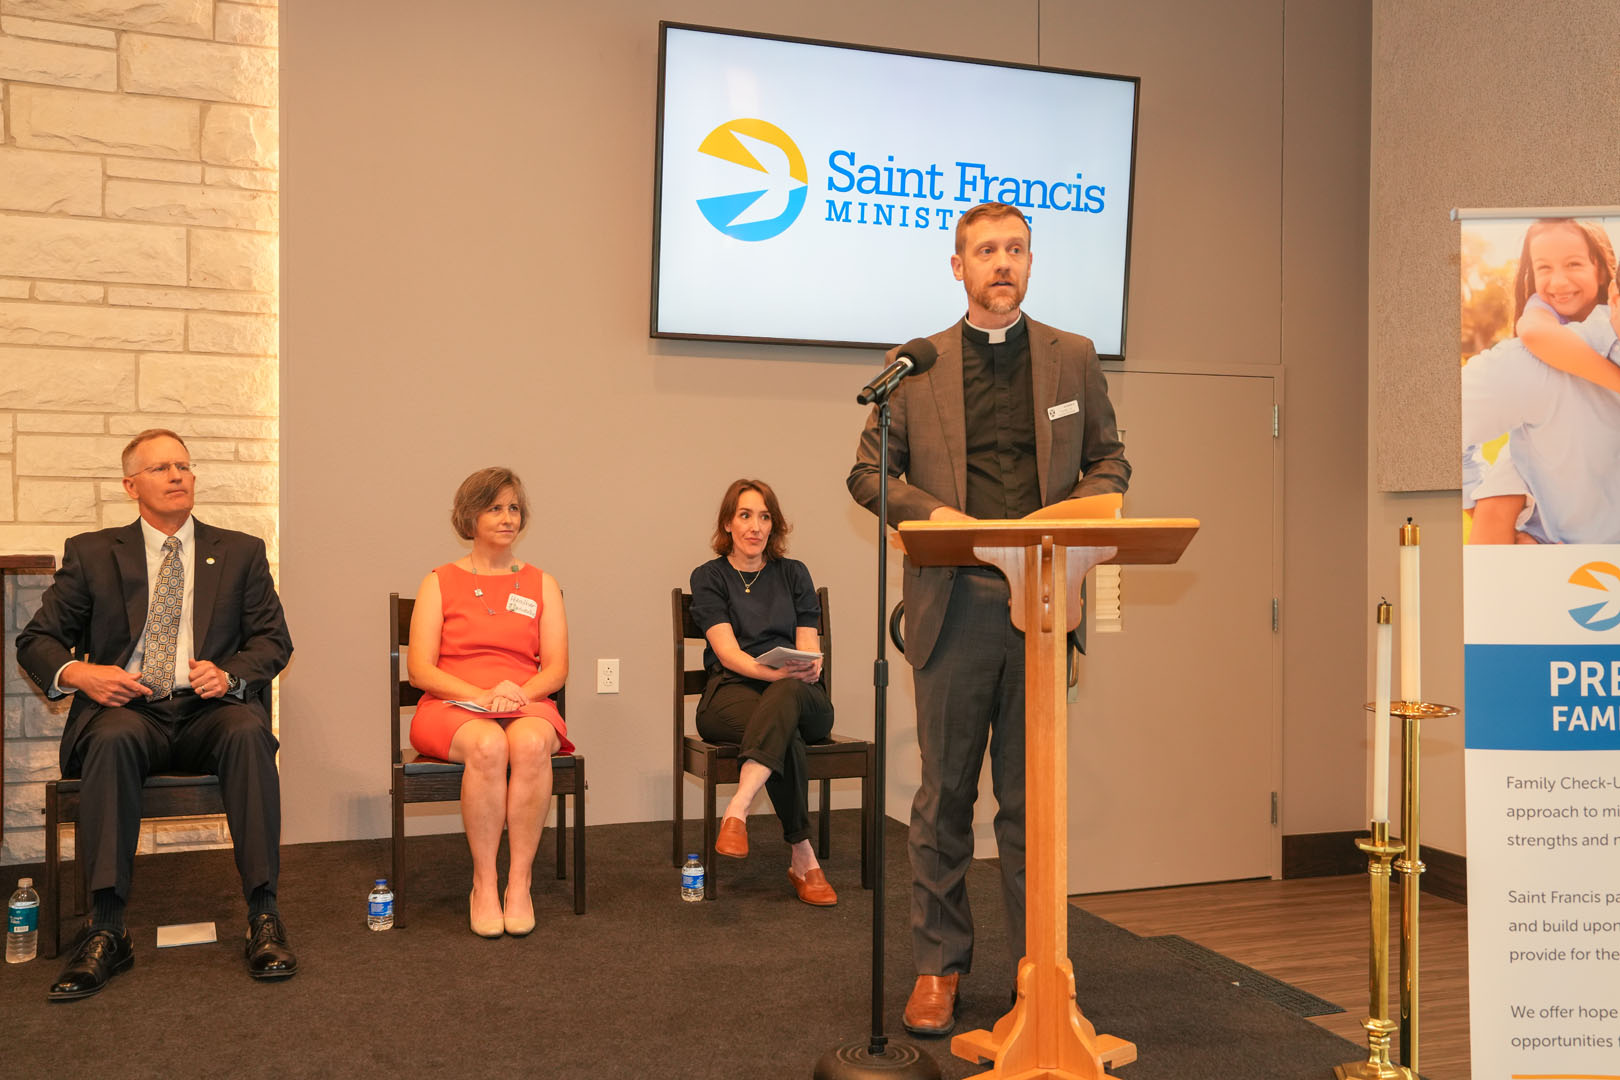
{"x": 397, "y": 870}
{"x": 50, "y": 918}
{"x": 562, "y": 835}
{"x": 579, "y": 836}
{"x": 677, "y": 821}
{"x": 711, "y": 880}
{"x": 826, "y": 820}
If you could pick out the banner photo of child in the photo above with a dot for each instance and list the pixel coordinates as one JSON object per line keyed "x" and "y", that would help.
{"x": 1540, "y": 349}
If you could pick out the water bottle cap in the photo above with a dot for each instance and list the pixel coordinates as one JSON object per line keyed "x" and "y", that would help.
{"x": 25, "y": 883}
{"x": 382, "y": 881}
{"x": 691, "y": 854}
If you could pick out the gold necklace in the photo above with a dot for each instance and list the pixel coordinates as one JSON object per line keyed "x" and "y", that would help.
{"x": 748, "y": 586}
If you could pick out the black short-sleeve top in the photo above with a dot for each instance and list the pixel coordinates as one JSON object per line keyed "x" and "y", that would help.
{"x": 764, "y": 613}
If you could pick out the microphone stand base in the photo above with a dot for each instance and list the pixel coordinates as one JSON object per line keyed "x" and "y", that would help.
{"x": 855, "y": 1061}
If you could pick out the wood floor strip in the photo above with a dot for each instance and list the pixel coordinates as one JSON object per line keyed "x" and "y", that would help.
{"x": 1312, "y": 933}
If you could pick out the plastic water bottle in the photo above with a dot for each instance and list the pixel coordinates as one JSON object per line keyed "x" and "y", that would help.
{"x": 22, "y": 923}
{"x": 692, "y": 878}
{"x": 380, "y": 906}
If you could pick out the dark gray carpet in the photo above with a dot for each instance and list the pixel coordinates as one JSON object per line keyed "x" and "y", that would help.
{"x": 1297, "y": 1001}
{"x": 754, "y": 984}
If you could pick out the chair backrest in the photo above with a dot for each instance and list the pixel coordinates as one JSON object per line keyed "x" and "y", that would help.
{"x": 691, "y": 681}
{"x": 401, "y": 694}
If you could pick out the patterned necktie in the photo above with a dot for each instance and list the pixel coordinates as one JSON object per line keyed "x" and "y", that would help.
{"x": 163, "y": 622}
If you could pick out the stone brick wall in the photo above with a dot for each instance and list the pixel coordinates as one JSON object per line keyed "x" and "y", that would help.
{"x": 139, "y": 169}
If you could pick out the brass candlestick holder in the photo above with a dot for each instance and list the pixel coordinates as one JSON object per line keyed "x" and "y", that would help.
{"x": 1412, "y": 714}
{"x": 1380, "y": 851}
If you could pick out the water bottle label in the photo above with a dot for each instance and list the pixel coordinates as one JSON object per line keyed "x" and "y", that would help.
{"x": 691, "y": 879}
{"x": 23, "y": 919}
{"x": 380, "y": 909}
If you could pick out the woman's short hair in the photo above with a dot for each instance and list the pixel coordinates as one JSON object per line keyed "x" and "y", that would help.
{"x": 477, "y": 493}
{"x": 1598, "y": 246}
{"x": 776, "y": 544}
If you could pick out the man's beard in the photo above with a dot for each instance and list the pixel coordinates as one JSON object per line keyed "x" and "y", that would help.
{"x": 999, "y": 301}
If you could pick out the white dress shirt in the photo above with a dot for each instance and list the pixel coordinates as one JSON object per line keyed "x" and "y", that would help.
{"x": 152, "y": 540}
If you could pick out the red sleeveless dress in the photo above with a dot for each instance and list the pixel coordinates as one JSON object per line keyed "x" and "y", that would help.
{"x": 484, "y": 649}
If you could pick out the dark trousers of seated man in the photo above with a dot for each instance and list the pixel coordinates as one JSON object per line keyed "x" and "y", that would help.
{"x": 771, "y": 722}
{"x": 121, "y": 747}
{"x": 970, "y": 694}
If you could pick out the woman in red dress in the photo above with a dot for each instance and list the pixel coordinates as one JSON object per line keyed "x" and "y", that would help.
{"x": 489, "y": 646}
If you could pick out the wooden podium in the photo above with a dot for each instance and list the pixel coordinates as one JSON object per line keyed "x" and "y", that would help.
{"x": 1045, "y": 1034}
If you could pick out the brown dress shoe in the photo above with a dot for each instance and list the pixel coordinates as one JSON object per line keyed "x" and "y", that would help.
{"x": 733, "y": 838}
{"x": 931, "y": 1009}
{"x": 813, "y": 888}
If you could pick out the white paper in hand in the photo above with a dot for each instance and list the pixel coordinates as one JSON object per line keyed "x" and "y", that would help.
{"x": 781, "y": 656}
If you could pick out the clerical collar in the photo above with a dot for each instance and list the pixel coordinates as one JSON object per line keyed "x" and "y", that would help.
{"x": 994, "y": 337}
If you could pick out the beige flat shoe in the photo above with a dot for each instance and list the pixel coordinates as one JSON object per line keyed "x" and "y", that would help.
{"x": 520, "y": 925}
{"x": 488, "y": 928}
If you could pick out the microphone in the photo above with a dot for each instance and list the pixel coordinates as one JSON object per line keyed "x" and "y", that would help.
{"x": 915, "y": 357}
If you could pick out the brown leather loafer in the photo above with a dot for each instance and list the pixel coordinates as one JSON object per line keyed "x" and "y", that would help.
{"x": 813, "y": 888}
{"x": 931, "y": 1009}
{"x": 733, "y": 838}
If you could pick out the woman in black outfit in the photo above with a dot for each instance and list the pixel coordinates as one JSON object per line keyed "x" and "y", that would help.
{"x": 747, "y": 602}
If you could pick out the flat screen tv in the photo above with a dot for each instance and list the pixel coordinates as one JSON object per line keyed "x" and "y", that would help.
{"x": 807, "y": 192}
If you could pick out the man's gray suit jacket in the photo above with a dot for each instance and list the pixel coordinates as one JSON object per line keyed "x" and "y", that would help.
{"x": 1076, "y": 454}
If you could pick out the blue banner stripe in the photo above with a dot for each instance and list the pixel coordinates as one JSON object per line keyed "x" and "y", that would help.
{"x": 1542, "y": 697}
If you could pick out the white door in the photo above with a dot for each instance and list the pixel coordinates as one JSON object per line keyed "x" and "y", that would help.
{"x": 1174, "y": 742}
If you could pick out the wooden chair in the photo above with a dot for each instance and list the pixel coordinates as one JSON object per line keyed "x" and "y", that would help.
{"x": 419, "y": 779}
{"x": 165, "y": 795}
{"x": 717, "y": 763}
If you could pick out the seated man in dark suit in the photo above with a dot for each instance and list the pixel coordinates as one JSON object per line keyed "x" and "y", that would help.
{"x": 181, "y": 631}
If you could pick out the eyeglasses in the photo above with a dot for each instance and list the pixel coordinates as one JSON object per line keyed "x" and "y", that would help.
{"x": 156, "y": 471}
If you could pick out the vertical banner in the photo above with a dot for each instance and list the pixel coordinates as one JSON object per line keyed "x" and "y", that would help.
{"x": 1541, "y": 633}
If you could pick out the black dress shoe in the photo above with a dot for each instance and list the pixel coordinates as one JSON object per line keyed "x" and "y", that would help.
{"x": 98, "y": 955}
{"x": 268, "y": 956}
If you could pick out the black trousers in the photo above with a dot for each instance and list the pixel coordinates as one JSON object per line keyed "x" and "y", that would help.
{"x": 970, "y": 695}
{"x": 771, "y": 722}
{"x": 121, "y": 747}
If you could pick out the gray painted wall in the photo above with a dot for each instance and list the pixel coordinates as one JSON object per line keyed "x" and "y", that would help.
{"x": 466, "y": 240}
{"x": 1500, "y": 104}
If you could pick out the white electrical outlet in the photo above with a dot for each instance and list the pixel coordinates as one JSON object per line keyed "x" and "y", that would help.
{"x": 607, "y": 676}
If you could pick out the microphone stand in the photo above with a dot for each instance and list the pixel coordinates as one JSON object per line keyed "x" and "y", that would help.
{"x": 874, "y": 1057}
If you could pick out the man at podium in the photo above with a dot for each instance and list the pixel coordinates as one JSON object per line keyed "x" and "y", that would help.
{"x": 1013, "y": 416}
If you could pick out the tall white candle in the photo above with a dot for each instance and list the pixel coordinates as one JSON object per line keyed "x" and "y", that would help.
{"x": 1380, "y": 740}
{"x": 1411, "y": 636}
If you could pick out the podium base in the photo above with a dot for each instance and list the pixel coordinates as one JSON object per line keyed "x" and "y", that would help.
{"x": 981, "y": 1046}
{"x": 855, "y": 1061}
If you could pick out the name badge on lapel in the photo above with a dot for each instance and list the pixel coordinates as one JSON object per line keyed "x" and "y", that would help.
{"x": 523, "y": 605}
{"x": 1068, "y": 408}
